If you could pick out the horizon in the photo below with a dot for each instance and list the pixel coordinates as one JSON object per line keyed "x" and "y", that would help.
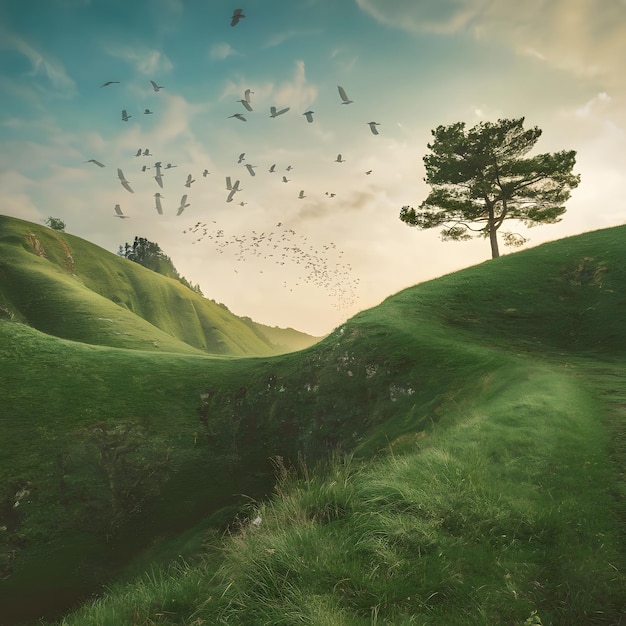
{"x": 409, "y": 67}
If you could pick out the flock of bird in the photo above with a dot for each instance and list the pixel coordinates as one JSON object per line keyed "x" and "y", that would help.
{"x": 315, "y": 262}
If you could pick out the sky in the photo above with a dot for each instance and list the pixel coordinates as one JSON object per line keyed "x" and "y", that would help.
{"x": 308, "y": 263}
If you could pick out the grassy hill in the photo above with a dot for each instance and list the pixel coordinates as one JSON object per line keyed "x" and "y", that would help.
{"x": 73, "y": 289}
{"x": 475, "y": 429}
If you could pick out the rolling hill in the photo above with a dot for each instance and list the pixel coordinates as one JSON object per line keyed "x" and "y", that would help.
{"x": 474, "y": 426}
{"x": 73, "y": 289}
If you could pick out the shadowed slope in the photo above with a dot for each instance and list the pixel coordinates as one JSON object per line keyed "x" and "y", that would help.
{"x": 70, "y": 288}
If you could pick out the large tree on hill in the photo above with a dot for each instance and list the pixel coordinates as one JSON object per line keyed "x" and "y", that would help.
{"x": 481, "y": 177}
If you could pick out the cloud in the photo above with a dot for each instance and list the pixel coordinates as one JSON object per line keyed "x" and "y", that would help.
{"x": 222, "y": 50}
{"x": 146, "y": 61}
{"x": 41, "y": 65}
{"x": 578, "y": 36}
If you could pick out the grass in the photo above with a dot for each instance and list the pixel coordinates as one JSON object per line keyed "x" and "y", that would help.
{"x": 477, "y": 423}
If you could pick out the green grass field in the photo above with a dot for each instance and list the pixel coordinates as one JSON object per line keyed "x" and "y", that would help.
{"x": 452, "y": 456}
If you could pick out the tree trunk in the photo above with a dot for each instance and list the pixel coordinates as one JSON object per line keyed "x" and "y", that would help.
{"x": 493, "y": 239}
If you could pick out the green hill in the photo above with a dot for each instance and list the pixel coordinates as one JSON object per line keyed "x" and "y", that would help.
{"x": 476, "y": 424}
{"x": 70, "y": 288}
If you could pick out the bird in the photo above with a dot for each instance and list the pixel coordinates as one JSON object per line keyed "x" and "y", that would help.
{"x": 249, "y": 168}
{"x": 242, "y": 203}
{"x": 242, "y": 156}
{"x": 189, "y": 181}
{"x": 110, "y": 82}
{"x": 246, "y": 94}
{"x": 285, "y": 179}
{"x": 373, "y": 126}
{"x": 169, "y": 166}
{"x": 339, "y": 159}
{"x": 246, "y": 104}
{"x": 205, "y": 173}
{"x": 146, "y": 152}
{"x": 138, "y": 153}
{"x": 309, "y": 116}
{"x": 144, "y": 168}
{"x": 239, "y": 116}
{"x": 368, "y": 172}
{"x": 158, "y": 178}
{"x": 301, "y": 194}
{"x": 237, "y": 15}
{"x": 159, "y": 207}
{"x": 344, "y": 95}
{"x": 125, "y": 116}
{"x": 118, "y": 212}
{"x": 330, "y": 195}
{"x": 275, "y": 113}
{"x": 228, "y": 183}
{"x": 229, "y": 198}
{"x": 183, "y": 205}
{"x": 123, "y": 180}
{"x": 272, "y": 168}
{"x": 155, "y": 86}
{"x": 147, "y": 112}
{"x": 95, "y": 162}
{"x": 288, "y": 168}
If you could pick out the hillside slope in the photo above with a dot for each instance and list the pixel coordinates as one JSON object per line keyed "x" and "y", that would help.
{"x": 493, "y": 369}
{"x": 70, "y": 288}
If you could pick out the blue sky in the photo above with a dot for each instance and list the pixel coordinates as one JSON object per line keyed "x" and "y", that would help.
{"x": 409, "y": 65}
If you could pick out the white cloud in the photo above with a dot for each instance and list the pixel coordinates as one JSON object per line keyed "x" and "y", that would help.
{"x": 147, "y": 61}
{"x": 222, "y": 50}
{"x": 41, "y": 65}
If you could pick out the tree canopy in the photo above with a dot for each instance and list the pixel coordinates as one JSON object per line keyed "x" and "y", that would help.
{"x": 149, "y": 254}
{"x": 55, "y": 223}
{"x": 481, "y": 177}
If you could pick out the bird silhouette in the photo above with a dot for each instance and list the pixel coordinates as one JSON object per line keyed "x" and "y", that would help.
{"x": 246, "y": 104}
{"x": 275, "y": 113}
{"x": 205, "y": 173}
{"x": 373, "y": 126}
{"x": 237, "y": 15}
{"x": 183, "y": 205}
{"x": 301, "y": 194}
{"x": 123, "y": 180}
{"x": 339, "y": 159}
{"x": 249, "y": 168}
{"x": 272, "y": 168}
{"x": 242, "y": 156}
{"x": 157, "y": 199}
{"x": 118, "y": 212}
{"x": 95, "y": 162}
{"x": 147, "y": 112}
{"x": 344, "y": 95}
{"x": 155, "y": 87}
{"x": 189, "y": 181}
{"x": 309, "y": 116}
{"x": 110, "y": 82}
{"x": 125, "y": 116}
{"x": 239, "y": 116}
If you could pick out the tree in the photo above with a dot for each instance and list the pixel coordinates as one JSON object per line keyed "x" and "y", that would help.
{"x": 479, "y": 178}
{"x": 55, "y": 223}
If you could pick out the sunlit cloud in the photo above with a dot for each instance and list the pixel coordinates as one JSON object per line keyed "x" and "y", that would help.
{"x": 222, "y": 50}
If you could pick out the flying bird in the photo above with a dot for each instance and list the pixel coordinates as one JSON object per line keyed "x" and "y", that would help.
{"x": 285, "y": 179}
{"x": 124, "y": 182}
{"x": 205, "y": 173}
{"x": 169, "y": 166}
{"x": 118, "y": 212}
{"x": 95, "y": 162}
{"x": 146, "y": 152}
{"x": 246, "y": 94}
{"x": 147, "y": 112}
{"x": 230, "y": 186}
{"x": 249, "y": 168}
{"x": 288, "y": 168}
{"x": 144, "y": 168}
{"x": 229, "y": 198}
{"x": 159, "y": 207}
{"x": 158, "y": 177}
{"x": 125, "y": 116}
{"x": 246, "y": 104}
{"x": 339, "y": 159}
{"x": 344, "y": 95}
{"x": 301, "y": 194}
{"x": 275, "y": 113}
{"x": 183, "y": 205}
{"x": 138, "y": 153}
{"x": 242, "y": 156}
{"x": 155, "y": 86}
{"x": 239, "y": 116}
{"x": 309, "y": 116}
{"x": 272, "y": 168}
{"x": 110, "y": 82}
{"x": 368, "y": 172}
{"x": 237, "y": 15}
{"x": 189, "y": 181}
{"x": 373, "y": 126}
